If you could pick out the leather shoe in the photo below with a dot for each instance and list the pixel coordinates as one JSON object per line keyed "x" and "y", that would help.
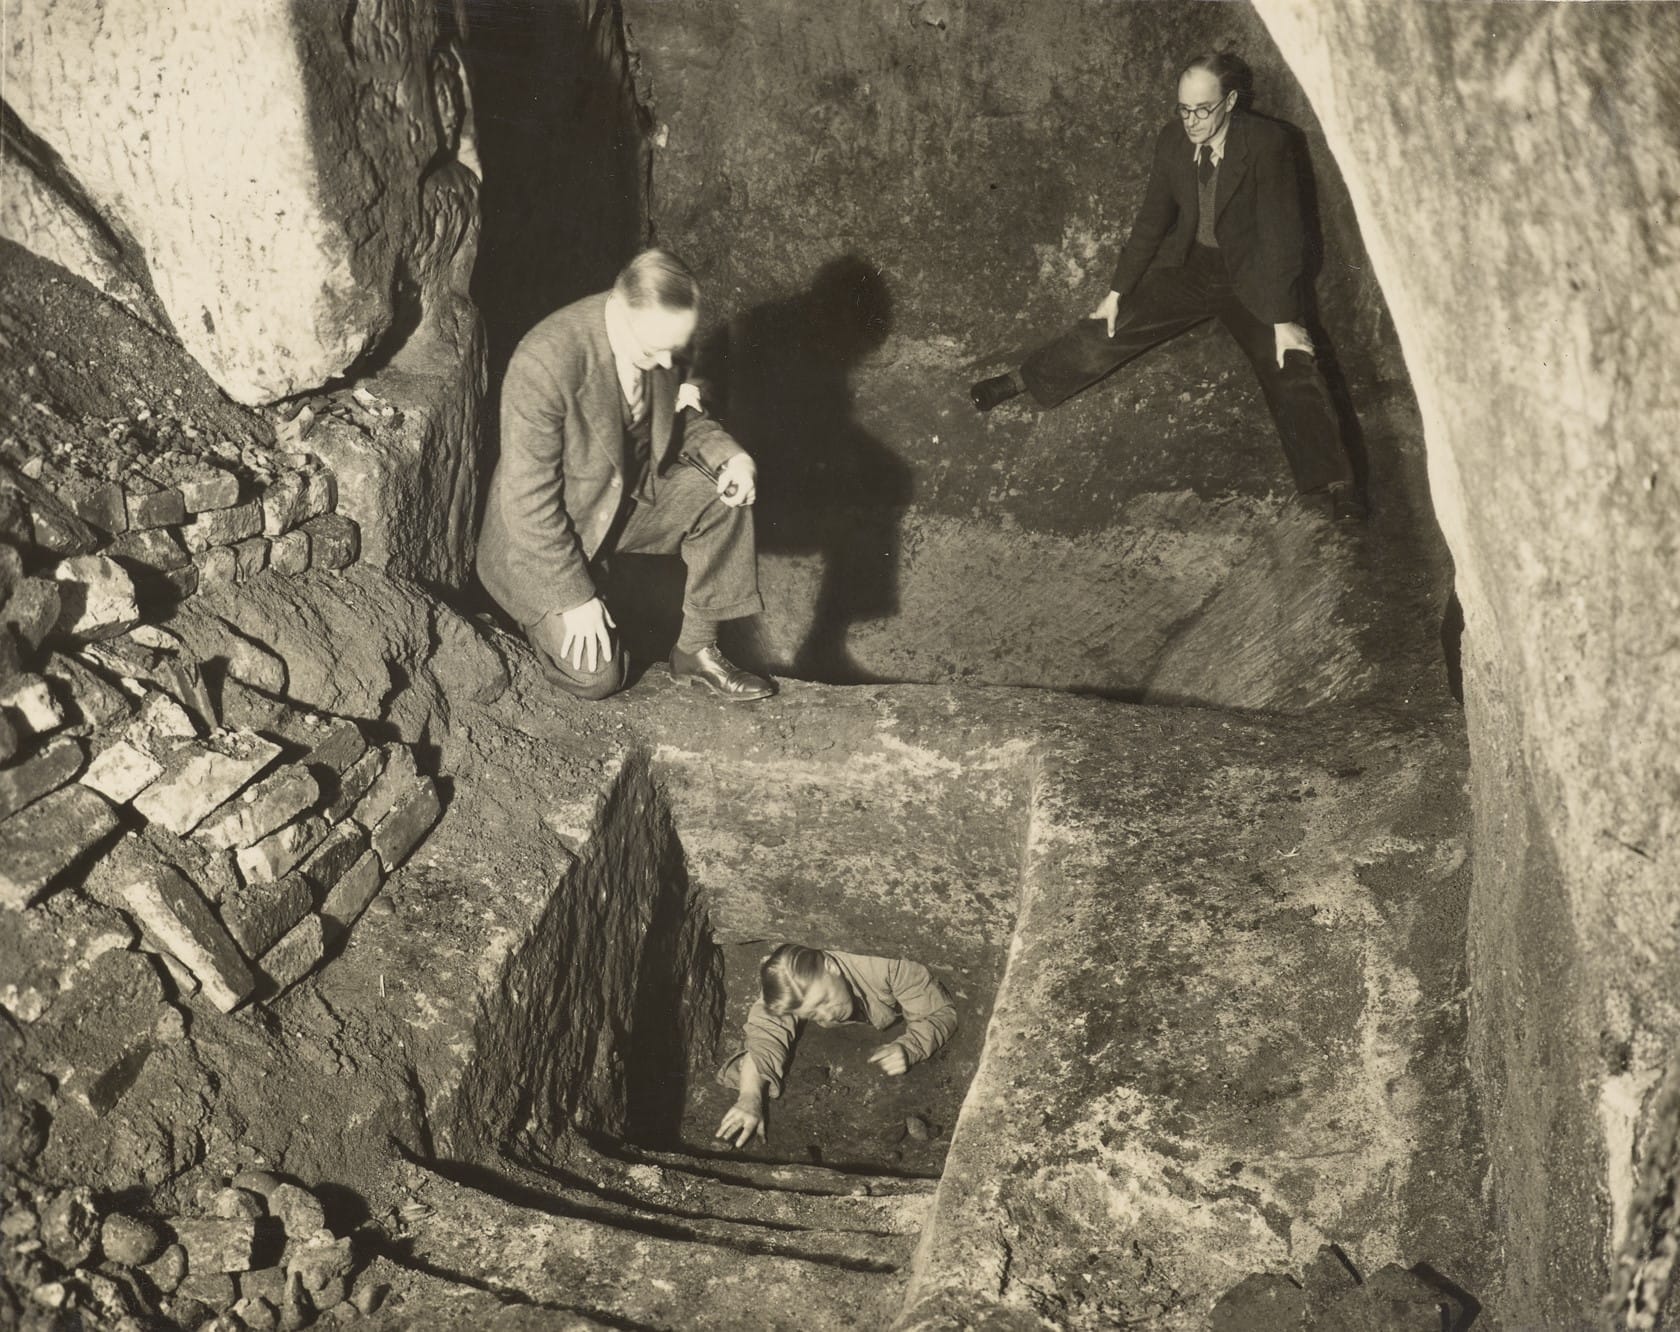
{"x": 988, "y": 393}
{"x": 1346, "y": 506}
{"x": 710, "y": 669}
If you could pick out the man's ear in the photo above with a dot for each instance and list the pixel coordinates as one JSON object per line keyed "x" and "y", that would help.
{"x": 830, "y": 965}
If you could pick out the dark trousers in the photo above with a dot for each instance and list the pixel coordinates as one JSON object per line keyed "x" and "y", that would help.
{"x": 717, "y": 545}
{"x": 1169, "y": 301}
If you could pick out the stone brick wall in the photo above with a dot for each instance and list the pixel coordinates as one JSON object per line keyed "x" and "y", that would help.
{"x": 242, "y": 835}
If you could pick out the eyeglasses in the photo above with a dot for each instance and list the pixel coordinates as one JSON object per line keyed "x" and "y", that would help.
{"x": 1197, "y": 114}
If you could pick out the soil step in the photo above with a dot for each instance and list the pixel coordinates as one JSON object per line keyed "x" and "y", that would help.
{"x": 555, "y": 1192}
{"x": 686, "y": 1193}
{"x": 416, "y": 1299}
{"x": 777, "y": 1175}
{"x": 530, "y": 1256}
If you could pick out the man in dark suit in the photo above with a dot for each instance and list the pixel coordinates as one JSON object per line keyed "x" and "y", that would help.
{"x": 1220, "y": 236}
{"x": 599, "y": 421}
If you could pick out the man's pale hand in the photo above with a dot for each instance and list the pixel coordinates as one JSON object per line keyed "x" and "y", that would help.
{"x": 891, "y": 1059}
{"x": 737, "y": 482}
{"x": 1291, "y": 337}
{"x": 1108, "y": 311}
{"x": 743, "y": 1122}
{"x": 586, "y": 634}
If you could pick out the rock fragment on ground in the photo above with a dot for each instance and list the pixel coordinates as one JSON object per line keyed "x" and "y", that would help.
{"x": 259, "y": 913}
{"x": 409, "y": 819}
{"x": 120, "y": 772}
{"x": 43, "y": 772}
{"x": 216, "y": 1244}
{"x": 199, "y": 777}
{"x": 293, "y": 958}
{"x": 96, "y": 598}
{"x": 70, "y": 1227}
{"x": 350, "y": 896}
{"x": 261, "y": 808}
{"x": 175, "y": 912}
{"x": 42, "y": 840}
{"x": 130, "y": 1240}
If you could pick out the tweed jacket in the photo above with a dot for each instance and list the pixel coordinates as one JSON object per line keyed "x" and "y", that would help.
{"x": 1257, "y": 216}
{"x": 560, "y": 481}
{"x": 887, "y": 989}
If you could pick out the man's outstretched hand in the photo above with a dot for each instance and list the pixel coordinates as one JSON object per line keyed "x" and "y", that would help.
{"x": 586, "y": 634}
{"x": 737, "y": 482}
{"x": 743, "y": 1122}
{"x": 891, "y": 1059}
{"x": 1108, "y": 311}
{"x": 1291, "y": 337}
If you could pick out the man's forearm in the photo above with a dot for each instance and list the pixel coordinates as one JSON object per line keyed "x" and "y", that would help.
{"x": 751, "y": 1082}
{"x": 706, "y": 438}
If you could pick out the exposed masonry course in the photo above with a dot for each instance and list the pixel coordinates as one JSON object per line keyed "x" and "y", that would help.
{"x": 220, "y": 821}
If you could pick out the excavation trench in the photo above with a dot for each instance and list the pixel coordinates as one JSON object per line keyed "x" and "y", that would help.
{"x": 611, "y": 1019}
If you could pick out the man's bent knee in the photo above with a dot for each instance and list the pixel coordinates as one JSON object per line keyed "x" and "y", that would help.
{"x": 591, "y": 686}
{"x": 608, "y": 677}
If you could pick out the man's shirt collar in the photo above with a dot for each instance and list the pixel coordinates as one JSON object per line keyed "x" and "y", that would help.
{"x": 1217, "y": 143}
{"x": 623, "y": 342}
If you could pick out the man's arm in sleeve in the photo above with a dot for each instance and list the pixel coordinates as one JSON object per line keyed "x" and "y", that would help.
{"x": 930, "y": 1016}
{"x": 769, "y": 1041}
{"x": 703, "y": 434}
{"x": 533, "y": 490}
{"x": 1282, "y": 233}
{"x": 1154, "y": 219}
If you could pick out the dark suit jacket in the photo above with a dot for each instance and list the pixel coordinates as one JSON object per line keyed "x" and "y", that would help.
{"x": 1257, "y": 216}
{"x": 560, "y": 480}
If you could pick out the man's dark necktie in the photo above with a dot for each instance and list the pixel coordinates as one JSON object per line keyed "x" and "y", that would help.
{"x": 1205, "y": 173}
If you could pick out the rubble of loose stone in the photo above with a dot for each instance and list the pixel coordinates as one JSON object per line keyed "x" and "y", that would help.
{"x": 1331, "y": 1295}
{"x": 256, "y": 1256}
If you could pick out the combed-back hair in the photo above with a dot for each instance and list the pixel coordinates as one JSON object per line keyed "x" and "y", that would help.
{"x": 787, "y": 973}
{"x": 658, "y": 277}
{"x": 1228, "y": 67}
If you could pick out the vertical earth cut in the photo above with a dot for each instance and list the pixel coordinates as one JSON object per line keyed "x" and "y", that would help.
{"x": 1517, "y": 192}
{"x": 616, "y": 992}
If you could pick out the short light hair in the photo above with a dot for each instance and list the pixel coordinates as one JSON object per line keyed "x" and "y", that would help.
{"x": 787, "y": 973}
{"x": 658, "y": 277}
{"x": 1228, "y": 67}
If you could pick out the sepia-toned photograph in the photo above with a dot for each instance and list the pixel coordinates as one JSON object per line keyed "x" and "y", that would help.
{"x": 795, "y": 665}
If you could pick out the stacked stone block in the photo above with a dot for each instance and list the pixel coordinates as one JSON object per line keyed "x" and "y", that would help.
{"x": 254, "y": 851}
{"x": 131, "y": 529}
{"x": 242, "y": 847}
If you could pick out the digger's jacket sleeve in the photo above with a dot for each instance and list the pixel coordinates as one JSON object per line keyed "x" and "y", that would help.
{"x": 887, "y": 989}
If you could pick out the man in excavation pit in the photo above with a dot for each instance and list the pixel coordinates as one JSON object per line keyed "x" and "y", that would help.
{"x": 607, "y": 446}
{"x": 799, "y": 985}
{"x": 1219, "y": 236}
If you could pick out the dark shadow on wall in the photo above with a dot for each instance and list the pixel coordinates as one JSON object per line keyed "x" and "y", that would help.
{"x": 561, "y": 139}
{"x": 826, "y": 486}
{"x": 612, "y": 999}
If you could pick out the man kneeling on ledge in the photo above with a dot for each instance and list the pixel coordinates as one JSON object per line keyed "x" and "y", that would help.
{"x": 607, "y": 446}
